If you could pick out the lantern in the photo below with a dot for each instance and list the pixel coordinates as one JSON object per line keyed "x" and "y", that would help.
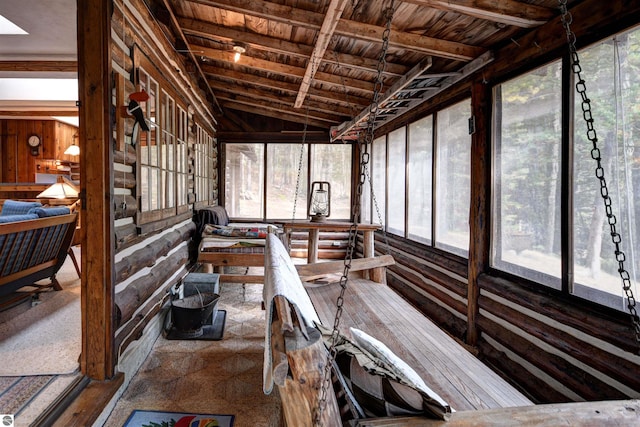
{"x": 319, "y": 207}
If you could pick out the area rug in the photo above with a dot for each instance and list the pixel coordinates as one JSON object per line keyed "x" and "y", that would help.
{"x": 140, "y": 418}
{"x": 44, "y": 339}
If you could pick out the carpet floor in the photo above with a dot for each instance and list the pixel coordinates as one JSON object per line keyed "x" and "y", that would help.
{"x": 216, "y": 377}
{"x": 27, "y": 397}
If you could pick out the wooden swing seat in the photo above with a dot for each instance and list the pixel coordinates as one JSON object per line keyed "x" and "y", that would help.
{"x": 478, "y": 395}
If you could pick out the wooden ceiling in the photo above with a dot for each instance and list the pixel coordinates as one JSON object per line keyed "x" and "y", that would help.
{"x": 316, "y": 61}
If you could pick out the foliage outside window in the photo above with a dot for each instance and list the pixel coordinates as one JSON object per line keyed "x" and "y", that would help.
{"x": 365, "y": 197}
{"x": 526, "y": 195}
{"x": 379, "y": 178}
{"x": 419, "y": 180}
{"x": 205, "y": 167}
{"x": 397, "y": 147}
{"x": 247, "y": 196}
{"x": 610, "y": 69}
{"x": 244, "y": 180}
{"x": 282, "y": 176}
{"x": 453, "y": 178}
{"x": 181, "y": 159}
{"x": 332, "y": 163}
{"x": 150, "y": 189}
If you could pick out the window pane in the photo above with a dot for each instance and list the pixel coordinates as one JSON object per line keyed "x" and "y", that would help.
{"x": 526, "y": 193}
{"x": 397, "y": 167}
{"x": 244, "y": 180}
{"x": 613, "y": 86}
{"x": 420, "y": 179}
{"x": 332, "y": 163}
{"x": 379, "y": 181}
{"x": 453, "y": 178}
{"x": 283, "y": 161}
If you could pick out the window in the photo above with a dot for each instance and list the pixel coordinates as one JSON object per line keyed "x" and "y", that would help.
{"x": 332, "y": 163}
{"x": 205, "y": 167}
{"x": 244, "y": 180}
{"x": 397, "y": 166}
{"x": 610, "y": 69}
{"x": 526, "y": 202}
{"x": 379, "y": 178}
{"x": 419, "y": 180}
{"x": 282, "y": 177}
{"x": 163, "y": 167}
{"x": 453, "y": 169}
{"x": 528, "y": 174}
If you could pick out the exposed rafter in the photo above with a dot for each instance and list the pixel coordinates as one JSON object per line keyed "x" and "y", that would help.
{"x": 329, "y": 24}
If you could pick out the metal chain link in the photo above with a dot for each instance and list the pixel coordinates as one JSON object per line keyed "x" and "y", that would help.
{"x": 304, "y": 141}
{"x": 581, "y": 88}
{"x": 353, "y": 230}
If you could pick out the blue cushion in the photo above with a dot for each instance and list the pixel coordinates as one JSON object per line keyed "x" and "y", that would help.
{"x": 16, "y": 207}
{"x": 47, "y": 212}
{"x": 13, "y": 218}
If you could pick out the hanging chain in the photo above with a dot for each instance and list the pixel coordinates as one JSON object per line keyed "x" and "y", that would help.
{"x": 353, "y": 230}
{"x": 304, "y": 141}
{"x": 581, "y": 88}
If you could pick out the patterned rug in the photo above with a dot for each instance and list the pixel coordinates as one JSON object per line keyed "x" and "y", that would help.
{"x": 177, "y": 419}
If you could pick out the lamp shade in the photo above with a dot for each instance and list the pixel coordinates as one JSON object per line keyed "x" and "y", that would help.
{"x": 63, "y": 189}
{"x": 72, "y": 150}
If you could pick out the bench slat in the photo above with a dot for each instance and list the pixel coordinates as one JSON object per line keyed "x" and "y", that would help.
{"x": 445, "y": 365}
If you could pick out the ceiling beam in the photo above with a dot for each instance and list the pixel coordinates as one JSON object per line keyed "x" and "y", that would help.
{"x": 331, "y": 18}
{"x": 509, "y": 12}
{"x": 211, "y": 31}
{"x": 286, "y": 137}
{"x": 41, "y": 66}
{"x": 277, "y": 114}
{"x": 281, "y": 107}
{"x": 352, "y": 102}
{"x": 268, "y": 95}
{"x": 352, "y": 29}
{"x": 361, "y": 86}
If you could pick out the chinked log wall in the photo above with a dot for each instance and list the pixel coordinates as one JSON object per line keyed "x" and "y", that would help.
{"x": 146, "y": 265}
{"x": 553, "y": 350}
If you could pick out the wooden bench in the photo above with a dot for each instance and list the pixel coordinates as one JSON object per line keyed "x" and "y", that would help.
{"x": 478, "y": 396}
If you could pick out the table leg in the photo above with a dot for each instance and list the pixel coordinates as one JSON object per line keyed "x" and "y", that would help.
{"x": 312, "y": 252}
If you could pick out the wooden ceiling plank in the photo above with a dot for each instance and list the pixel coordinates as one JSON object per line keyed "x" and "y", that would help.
{"x": 271, "y": 105}
{"x": 42, "y": 66}
{"x": 331, "y": 18}
{"x": 278, "y": 114}
{"x": 267, "y": 95}
{"x": 509, "y": 12}
{"x": 352, "y": 29}
{"x": 352, "y": 102}
{"x": 415, "y": 42}
{"x": 210, "y": 31}
{"x": 362, "y": 86}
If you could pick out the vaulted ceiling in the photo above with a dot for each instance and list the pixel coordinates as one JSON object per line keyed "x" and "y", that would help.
{"x": 316, "y": 61}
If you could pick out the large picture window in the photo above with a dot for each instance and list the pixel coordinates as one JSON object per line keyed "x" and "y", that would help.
{"x": 420, "y": 180}
{"x": 397, "y": 168}
{"x": 613, "y": 86}
{"x": 526, "y": 196}
{"x": 259, "y": 192}
{"x": 453, "y": 178}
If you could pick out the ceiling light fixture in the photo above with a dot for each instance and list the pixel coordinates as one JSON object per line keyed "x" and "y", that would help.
{"x": 239, "y": 50}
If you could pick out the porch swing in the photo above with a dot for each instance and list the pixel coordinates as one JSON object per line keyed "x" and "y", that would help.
{"x": 323, "y": 387}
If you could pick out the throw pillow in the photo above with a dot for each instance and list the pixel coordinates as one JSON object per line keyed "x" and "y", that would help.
{"x": 381, "y": 382}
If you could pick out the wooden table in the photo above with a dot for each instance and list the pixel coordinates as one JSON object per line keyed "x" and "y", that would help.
{"x": 314, "y": 229}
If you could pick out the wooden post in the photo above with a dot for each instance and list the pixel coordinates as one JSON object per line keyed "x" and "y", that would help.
{"x": 94, "y": 81}
{"x": 479, "y": 209}
{"x": 314, "y": 240}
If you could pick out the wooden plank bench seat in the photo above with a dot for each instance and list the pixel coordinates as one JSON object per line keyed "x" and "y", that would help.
{"x": 477, "y": 395}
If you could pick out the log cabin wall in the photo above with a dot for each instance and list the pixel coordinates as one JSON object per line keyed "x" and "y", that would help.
{"x": 554, "y": 348}
{"x": 152, "y": 255}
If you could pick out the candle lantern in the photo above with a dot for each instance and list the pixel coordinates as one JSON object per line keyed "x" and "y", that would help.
{"x": 319, "y": 207}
